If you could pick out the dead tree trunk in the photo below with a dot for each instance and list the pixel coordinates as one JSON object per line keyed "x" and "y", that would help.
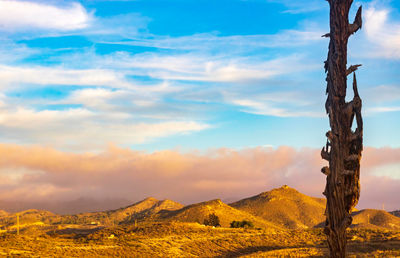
{"x": 343, "y": 148}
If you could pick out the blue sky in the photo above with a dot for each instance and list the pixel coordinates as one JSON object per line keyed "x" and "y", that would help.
{"x": 182, "y": 74}
{"x": 183, "y": 99}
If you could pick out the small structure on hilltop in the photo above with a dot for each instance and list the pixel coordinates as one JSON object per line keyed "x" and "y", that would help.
{"x": 344, "y": 146}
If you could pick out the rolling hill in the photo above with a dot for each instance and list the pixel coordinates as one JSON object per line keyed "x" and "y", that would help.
{"x": 139, "y": 210}
{"x": 285, "y": 207}
{"x": 200, "y": 211}
{"x": 28, "y": 217}
{"x": 370, "y": 218}
{"x": 280, "y": 208}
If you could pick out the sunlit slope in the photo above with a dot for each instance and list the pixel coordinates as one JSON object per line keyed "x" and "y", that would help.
{"x": 285, "y": 207}
{"x": 143, "y": 208}
{"x": 29, "y": 217}
{"x": 200, "y": 211}
{"x": 139, "y": 210}
{"x": 370, "y": 218}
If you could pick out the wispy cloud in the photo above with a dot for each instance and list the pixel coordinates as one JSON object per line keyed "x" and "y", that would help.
{"x": 16, "y": 75}
{"x": 382, "y": 33}
{"x": 11, "y": 52}
{"x": 111, "y": 70}
{"x": 383, "y": 109}
{"x": 203, "y": 66}
{"x": 382, "y": 99}
{"x": 126, "y": 76}
{"x": 88, "y": 128}
{"x": 25, "y": 15}
{"x": 278, "y": 108}
{"x": 204, "y": 41}
{"x": 383, "y": 93}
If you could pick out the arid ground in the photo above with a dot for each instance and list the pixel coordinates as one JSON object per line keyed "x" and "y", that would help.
{"x": 188, "y": 239}
{"x": 284, "y": 223}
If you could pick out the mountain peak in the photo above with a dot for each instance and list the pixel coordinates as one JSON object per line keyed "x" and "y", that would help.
{"x": 150, "y": 199}
{"x": 284, "y": 188}
{"x": 285, "y": 206}
{"x": 215, "y": 202}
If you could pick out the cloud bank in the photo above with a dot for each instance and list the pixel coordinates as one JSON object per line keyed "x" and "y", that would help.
{"x": 24, "y": 15}
{"x": 40, "y": 174}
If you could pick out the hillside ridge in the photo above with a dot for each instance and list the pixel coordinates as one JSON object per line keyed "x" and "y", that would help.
{"x": 279, "y": 208}
{"x": 285, "y": 206}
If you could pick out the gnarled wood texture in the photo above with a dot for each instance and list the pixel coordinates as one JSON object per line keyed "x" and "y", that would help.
{"x": 343, "y": 148}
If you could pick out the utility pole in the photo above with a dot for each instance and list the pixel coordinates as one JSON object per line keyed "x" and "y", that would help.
{"x": 343, "y": 148}
{"x": 17, "y": 223}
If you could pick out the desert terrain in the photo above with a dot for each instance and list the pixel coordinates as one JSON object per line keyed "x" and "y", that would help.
{"x": 282, "y": 222}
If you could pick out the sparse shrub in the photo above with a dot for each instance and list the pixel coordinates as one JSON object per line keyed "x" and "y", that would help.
{"x": 213, "y": 220}
{"x": 242, "y": 224}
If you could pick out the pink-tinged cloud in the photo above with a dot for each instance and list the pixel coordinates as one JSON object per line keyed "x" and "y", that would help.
{"x": 79, "y": 182}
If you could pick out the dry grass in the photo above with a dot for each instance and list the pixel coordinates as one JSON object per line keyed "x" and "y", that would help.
{"x": 165, "y": 229}
{"x": 177, "y": 239}
{"x": 200, "y": 211}
{"x": 375, "y": 219}
{"x": 285, "y": 207}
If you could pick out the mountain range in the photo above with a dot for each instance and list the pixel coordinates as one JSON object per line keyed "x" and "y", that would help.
{"x": 278, "y": 209}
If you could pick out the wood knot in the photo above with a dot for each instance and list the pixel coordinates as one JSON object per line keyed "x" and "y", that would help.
{"x": 326, "y": 171}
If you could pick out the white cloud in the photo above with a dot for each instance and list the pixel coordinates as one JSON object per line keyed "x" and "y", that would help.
{"x": 388, "y": 170}
{"x": 11, "y": 75}
{"x": 125, "y": 117}
{"x": 11, "y": 51}
{"x": 206, "y": 67}
{"x": 268, "y": 108}
{"x": 203, "y": 41}
{"x": 382, "y": 93}
{"x": 30, "y": 119}
{"x": 217, "y": 72}
{"x": 25, "y": 15}
{"x": 81, "y": 129}
{"x": 382, "y": 99}
{"x": 383, "y": 109}
{"x": 122, "y": 104}
{"x": 113, "y": 70}
{"x": 119, "y": 109}
{"x": 382, "y": 33}
{"x": 117, "y": 27}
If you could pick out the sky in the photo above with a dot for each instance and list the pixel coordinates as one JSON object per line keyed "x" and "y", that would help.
{"x": 183, "y": 99}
